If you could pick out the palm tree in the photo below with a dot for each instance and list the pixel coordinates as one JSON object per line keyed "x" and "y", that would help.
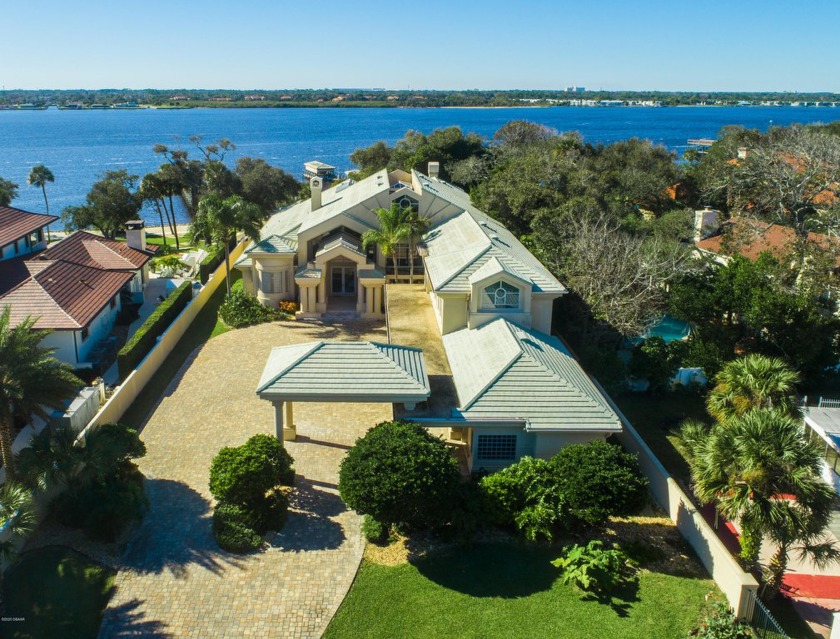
{"x": 39, "y": 176}
{"x": 417, "y": 226}
{"x": 17, "y": 518}
{"x": 393, "y": 230}
{"x": 31, "y": 380}
{"x": 151, "y": 188}
{"x": 760, "y": 468}
{"x": 220, "y": 220}
{"x": 753, "y": 381}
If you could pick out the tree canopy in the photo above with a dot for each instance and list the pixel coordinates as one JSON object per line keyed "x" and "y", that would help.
{"x": 8, "y": 192}
{"x": 111, "y": 202}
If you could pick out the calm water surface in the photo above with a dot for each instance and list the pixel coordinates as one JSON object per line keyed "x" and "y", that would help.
{"x": 79, "y": 145}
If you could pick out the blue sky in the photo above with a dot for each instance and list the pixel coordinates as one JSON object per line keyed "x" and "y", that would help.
{"x": 701, "y": 45}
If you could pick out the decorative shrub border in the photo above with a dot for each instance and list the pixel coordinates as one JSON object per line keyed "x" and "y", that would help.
{"x": 210, "y": 263}
{"x": 143, "y": 340}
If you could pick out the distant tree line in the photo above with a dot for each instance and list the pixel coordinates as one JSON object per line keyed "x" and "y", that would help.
{"x": 339, "y": 97}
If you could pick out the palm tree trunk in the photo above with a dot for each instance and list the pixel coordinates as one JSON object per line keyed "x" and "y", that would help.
{"x": 162, "y": 227}
{"x": 410, "y": 260}
{"x": 227, "y": 265}
{"x": 777, "y": 568}
{"x": 47, "y": 205}
{"x": 174, "y": 226}
{"x": 6, "y": 447}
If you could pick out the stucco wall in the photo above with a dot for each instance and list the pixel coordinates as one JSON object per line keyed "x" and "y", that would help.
{"x": 452, "y": 314}
{"x": 541, "y": 313}
{"x": 547, "y": 445}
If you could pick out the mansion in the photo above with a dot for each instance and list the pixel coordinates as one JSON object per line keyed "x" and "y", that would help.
{"x": 519, "y": 389}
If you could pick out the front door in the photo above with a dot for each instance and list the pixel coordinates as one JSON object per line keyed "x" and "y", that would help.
{"x": 343, "y": 280}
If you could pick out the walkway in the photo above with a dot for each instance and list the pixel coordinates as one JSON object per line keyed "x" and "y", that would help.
{"x": 176, "y": 582}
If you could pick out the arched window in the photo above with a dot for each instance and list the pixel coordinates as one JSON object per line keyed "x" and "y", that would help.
{"x": 500, "y": 295}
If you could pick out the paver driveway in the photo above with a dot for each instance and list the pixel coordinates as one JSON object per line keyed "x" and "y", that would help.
{"x": 175, "y": 581}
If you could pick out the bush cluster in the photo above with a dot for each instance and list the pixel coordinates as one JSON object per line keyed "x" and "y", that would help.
{"x": 144, "y": 339}
{"x": 289, "y": 307}
{"x": 247, "y": 483}
{"x": 103, "y": 486}
{"x": 399, "y": 473}
{"x": 243, "y": 309}
{"x": 583, "y": 484}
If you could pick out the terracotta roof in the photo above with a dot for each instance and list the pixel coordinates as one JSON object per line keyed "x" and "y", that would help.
{"x": 70, "y": 283}
{"x": 750, "y": 238}
{"x": 64, "y": 295}
{"x": 97, "y": 252}
{"x": 15, "y": 223}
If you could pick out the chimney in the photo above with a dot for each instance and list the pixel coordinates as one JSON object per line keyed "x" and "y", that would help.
{"x": 705, "y": 223}
{"x": 315, "y": 186}
{"x": 434, "y": 169}
{"x": 135, "y": 234}
{"x": 743, "y": 152}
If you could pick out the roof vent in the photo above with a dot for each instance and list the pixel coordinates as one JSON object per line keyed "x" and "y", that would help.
{"x": 494, "y": 237}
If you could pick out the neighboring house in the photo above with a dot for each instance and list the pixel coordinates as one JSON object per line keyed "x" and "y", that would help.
{"x": 74, "y": 288}
{"x": 520, "y": 391}
{"x": 822, "y": 425}
{"x": 750, "y": 238}
{"x": 22, "y": 233}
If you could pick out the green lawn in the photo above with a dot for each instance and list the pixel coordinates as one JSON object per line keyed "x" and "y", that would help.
{"x": 184, "y": 241}
{"x": 205, "y": 326}
{"x": 658, "y": 418}
{"x": 58, "y": 593}
{"x": 504, "y": 590}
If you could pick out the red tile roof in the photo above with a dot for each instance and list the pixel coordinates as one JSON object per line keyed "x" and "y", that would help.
{"x": 750, "y": 238}
{"x": 70, "y": 283}
{"x": 96, "y": 251}
{"x": 15, "y": 223}
{"x": 64, "y": 295}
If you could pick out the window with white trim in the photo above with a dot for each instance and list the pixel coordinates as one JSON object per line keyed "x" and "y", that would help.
{"x": 496, "y": 447}
{"x": 499, "y": 296}
{"x": 272, "y": 282}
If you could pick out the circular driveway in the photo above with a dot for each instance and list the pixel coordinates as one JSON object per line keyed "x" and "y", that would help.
{"x": 174, "y": 580}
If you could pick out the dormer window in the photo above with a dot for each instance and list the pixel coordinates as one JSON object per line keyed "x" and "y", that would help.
{"x": 500, "y": 295}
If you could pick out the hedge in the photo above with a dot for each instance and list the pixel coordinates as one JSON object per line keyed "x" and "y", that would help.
{"x": 210, "y": 263}
{"x": 144, "y": 339}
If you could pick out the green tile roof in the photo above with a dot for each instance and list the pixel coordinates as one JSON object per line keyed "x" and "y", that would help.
{"x": 345, "y": 372}
{"x": 502, "y": 370}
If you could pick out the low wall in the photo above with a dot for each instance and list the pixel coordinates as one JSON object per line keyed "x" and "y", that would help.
{"x": 132, "y": 386}
{"x": 722, "y": 566}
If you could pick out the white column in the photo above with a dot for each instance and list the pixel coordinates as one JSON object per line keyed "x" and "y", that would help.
{"x": 369, "y": 296}
{"x": 322, "y": 290}
{"x": 360, "y": 302}
{"x": 311, "y": 295}
{"x": 278, "y": 420}
{"x": 304, "y": 299}
{"x": 289, "y": 430}
{"x": 377, "y": 299}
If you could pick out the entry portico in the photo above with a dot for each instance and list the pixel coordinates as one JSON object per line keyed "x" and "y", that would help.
{"x": 365, "y": 372}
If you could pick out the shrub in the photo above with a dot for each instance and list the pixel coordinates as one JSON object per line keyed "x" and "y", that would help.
{"x": 243, "y": 309}
{"x": 282, "y": 471}
{"x": 525, "y": 495}
{"x": 598, "y": 480}
{"x": 375, "y": 532}
{"x": 144, "y": 339}
{"x": 592, "y": 568}
{"x": 288, "y": 307}
{"x": 721, "y": 624}
{"x": 210, "y": 263}
{"x": 399, "y": 473}
{"x": 104, "y": 508}
{"x": 232, "y": 531}
{"x": 655, "y": 361}
{"x": 244, "y": 480}
{"x": 241, "y": 476}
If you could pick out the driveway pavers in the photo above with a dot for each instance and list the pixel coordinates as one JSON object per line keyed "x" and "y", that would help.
{"x": 174, "y": 581}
